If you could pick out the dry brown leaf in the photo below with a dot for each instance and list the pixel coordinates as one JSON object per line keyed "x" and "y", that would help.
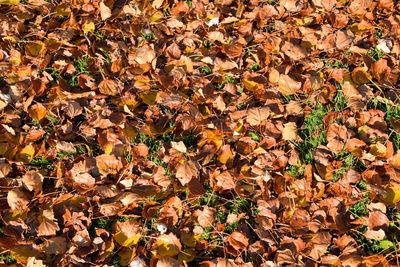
{"x": 288, "y": 86}
{"x": 256, "y": 116}
{"x": 17, "y": 199}
{"x": 185, "y": 172}
{"x": 33, "y": 181}
{"x": 48, "y": 228}
{"x": 108, "y": 164}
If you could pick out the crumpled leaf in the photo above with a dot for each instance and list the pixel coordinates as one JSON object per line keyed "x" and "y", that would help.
{"x": 129, "y": 234}
{"x": 33, "y": 181}
{"x": 185, "y": 172}
{"x": 108, "y": 164}
{"x": 167, "y": 245}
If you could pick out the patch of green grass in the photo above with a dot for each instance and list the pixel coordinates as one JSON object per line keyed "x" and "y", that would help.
{"x": 395, "y": 139}
{"x": 369, "y": 246}
{"x": 273, "y": 2}
{"x": 205, "y": 70}
{"x": 100, "y": 35}
{"x": 105, "y": 224}
{"x": 313, "y": 133}
{"x": 7, "y": 259}
{"x": 254, "y": 67}
{"x": 296, "y": 171}
{"x": 167, "y": 12}
{"x": 359, "y": 208}
{"x": 106, "y": 55}
{"x": 247, "y": 51}
{"x": 335, "y": 65}
{"x": 115, "y": 258}
{"x": 153, "y": 145}
{"x": 230, "y": 79}
{"x": 392, "y": 112}
{"x": 62, "y": 154}
{"x": 348, "y": 160}
{"x": 362, "y": 185}
{"x": 42, "y": 163}
{"x": 378, "y": 33}
{"x": 347, "y": 54}
{"x": 55, "y": 73}
{"x": 80, "y": 149}
{"x": 53, "y": 120}
{"x": 151, "y": 142}
{"x": 189, "y": 3}
{"x": 375, "y": 53}
{"x": 269, "y": 28}
{"x": 190, "y": 139}
{"x": 239, "y": 205}
{"x": 128, "y": 156}
{"x": 207, "y": 44}
{"x": 148, "y": 35}
{"x": 81, "y": 66}
{"x": 287, "y": 98}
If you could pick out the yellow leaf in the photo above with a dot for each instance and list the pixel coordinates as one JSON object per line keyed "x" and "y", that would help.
{"x": 15, "y": 57}
{"x": 127, "y": 255}
{"x": 225, "y": 154}
{"x": 23, "y": 252}
{"x": 251, "y": 85}
{"x": 378, "y": 150}
{"x": 188, "y": 239}
{"x": 124, "y": 241}
{"x": 167, "y": 245}
{"x": 150, "y": 97}
{"x": 108, "y": 148}
{"x": 36, "y": 48}
{"x": 63, "y": 10}
{"x": 130, "y": 131}
{"x": 9, "y": 2}
{"x": 157, "y": 16}
{"x": 26, "y": 154}
{"x": 37, "y": 111}
{"x": 88, "y": 27}
{"x": 391, "y": 195}
{"x": 395, "y": 160}
{"x": 12, "y": 39}
{"x": 187, "y": 255}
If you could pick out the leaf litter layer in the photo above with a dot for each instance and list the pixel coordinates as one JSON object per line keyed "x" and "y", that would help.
{"x": 199, "y": 133}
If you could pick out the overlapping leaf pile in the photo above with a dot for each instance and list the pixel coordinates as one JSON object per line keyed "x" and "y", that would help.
{"x": 199, "y": 133}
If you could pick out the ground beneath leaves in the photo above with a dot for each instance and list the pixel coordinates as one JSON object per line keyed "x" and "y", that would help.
{"x": 199, "y": 133}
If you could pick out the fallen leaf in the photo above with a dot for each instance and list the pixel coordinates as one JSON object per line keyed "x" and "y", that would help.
{"x": 17, "y": 199}
{"x": 108, "y": 164}
{"x": 186, "y": 172}
{"x": 33, "y": 181}
{"x": 105, "y": 11}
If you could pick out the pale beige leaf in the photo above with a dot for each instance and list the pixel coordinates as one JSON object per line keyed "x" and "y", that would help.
{"x": 48, "y": 228}
{"x": 256, "y": 116}
{"x": 105, "y": 11}
{"x": 55, "y": 245}
{"x": 33, "y": 181}
{"x": 290, "y": 131}
{"x": 145, "y": 54}
{"x": 17, "y": 199}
